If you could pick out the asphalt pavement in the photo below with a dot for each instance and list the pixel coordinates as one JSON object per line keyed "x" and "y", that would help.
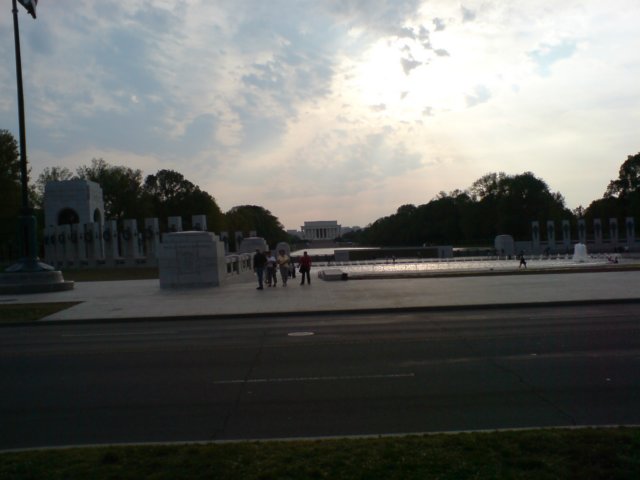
{"x": 144, "y": 299}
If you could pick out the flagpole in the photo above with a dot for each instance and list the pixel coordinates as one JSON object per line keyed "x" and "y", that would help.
{"x": 28, "y": 274}
{"x": 26, "y": 210}
{"x": 28, "y": 261}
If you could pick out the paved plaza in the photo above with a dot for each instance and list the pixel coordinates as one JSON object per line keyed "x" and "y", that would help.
{"x": 140, "y": 299}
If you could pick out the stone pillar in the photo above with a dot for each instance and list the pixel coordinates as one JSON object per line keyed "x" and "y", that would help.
{"x": 77, "y": 239}
{"x": 551, "y": 236}
{"x": 597, "y": 233}
{"x": 566, "y": 235}
{"x": 631, "y": 232}
{"x": 110, "y": 239}
{"x": 93, "y": 239}
{"x": 613, "y": 232}
{"x": 283, "y": 246}
{"x": 64, "y": 244}
{"x": 535, "y": 236}
{"x": 191, "y": 259}
{"x": 199, "y": 223}
{"x": 582, "y": 231}
{"x": 175, "y": 224}
{"x": 60, "y": 242}
{"x": 224, "y": 238}
{"x": 238, "y": 238}
{"x": 129, "y": 236}
{"x": 151, "y": 238}
{"x": 50, "y": 245}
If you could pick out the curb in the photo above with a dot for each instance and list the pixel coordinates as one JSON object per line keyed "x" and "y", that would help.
{"x": 311, "y": 313}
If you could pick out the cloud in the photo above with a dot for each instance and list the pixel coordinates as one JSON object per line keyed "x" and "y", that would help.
{"x": 380, "y": 17}
{"x": 427, "y": 111}
{"x": 355, "y": 93}
{"x": 546, "y": 55}
{"x": 361, "y": 161}
{"x": 481, "y": 94}
{"x": 409, "y": 64}
{"x": 439, "y": 24}
{"x": 468, "y": 15}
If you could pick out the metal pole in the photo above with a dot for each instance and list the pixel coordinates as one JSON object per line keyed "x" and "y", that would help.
{"x": 26, "y": 210}
{"x": 29, "y": 250}
{"x": 28, "y": 275}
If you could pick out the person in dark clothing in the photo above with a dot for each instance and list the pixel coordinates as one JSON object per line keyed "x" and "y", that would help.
{"x": 305, "y": 267}
{"x": 259, "y": 261}
{"x": 523, "y": 262}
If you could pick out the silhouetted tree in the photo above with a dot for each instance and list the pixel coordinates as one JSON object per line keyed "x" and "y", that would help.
{"x": 625, "y": 190}
{"x": 10, "y": 194}
{"x": 245, "y": 218}
{"x": 170, "y": 194}
{"x": 49, "y": 174}
{"x": 121, "y": 187}
{"x": 10, "y": 185}
{"x": 496, "y": 203}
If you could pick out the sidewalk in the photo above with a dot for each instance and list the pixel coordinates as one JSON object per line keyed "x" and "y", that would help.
{"x": 140, "y": 299}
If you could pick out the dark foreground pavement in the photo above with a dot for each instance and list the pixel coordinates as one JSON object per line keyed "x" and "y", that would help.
{"x": 309, "y": 376}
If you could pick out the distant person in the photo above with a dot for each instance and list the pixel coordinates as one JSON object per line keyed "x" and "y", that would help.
{"x": 284, "y": 266}
{"x": 305, "y": 267}
{"x": 259, "y": 261}
{"x": 523, "y": 262}
{"x": 272, "y": 280}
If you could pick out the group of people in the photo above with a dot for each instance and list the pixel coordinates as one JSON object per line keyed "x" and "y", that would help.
{"x": 267, "y": 264}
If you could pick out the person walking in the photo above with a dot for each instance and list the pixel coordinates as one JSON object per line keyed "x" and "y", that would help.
{"x": 523, "y": 262}
{"x": 284, "y": 265}
{"x": 305, "y": 267}
{"x": 259, "y": 261}
{"x": 272, "y": 280}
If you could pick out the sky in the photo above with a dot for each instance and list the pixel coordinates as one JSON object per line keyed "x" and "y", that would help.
{"x": 331, "y": 109}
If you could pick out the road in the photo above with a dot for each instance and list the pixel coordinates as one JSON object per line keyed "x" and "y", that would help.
{"x": 318, "y": 376}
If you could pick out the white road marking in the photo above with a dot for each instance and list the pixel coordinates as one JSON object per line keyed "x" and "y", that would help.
{"x": 124, "y": 334}
{"x": 315, "y": 379}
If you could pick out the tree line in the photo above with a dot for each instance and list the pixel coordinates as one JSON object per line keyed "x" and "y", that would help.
{"x": 128, "y": 195}
{"x": 496, "y": 204}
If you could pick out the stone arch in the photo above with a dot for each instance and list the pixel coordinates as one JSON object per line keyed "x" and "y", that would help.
{"x": 68, "y": 216}
{"x": 97, "y": 216}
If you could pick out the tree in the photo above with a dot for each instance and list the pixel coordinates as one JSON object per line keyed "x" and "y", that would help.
{"x": 121, "y": 188}
{"x": 170, "y": 194}
{"x": 628, "y": 181}
{"x": 10, "y": 184}
{"x": 10, "y": 194}
{"x": 245, "y": 218}
{"x": 495, "y": 203}
{"x": 486, "y": 186}
{"x": 49, "y": 174}
{"x": 508, "y": 203}
{"x": 625, "y": 190}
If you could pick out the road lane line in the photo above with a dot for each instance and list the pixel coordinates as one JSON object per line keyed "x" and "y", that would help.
{"x": 314, "y": 379}
{"x": 123, "y": 334}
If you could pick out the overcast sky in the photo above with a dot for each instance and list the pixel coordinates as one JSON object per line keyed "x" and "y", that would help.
{"x": 331, "y": 109}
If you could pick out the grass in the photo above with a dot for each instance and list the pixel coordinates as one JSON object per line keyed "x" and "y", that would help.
{"x": 536, "y": 454}
{"x": 30, "y": 312}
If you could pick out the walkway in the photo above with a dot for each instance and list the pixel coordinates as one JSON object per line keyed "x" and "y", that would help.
{"x": 140, "y": 299}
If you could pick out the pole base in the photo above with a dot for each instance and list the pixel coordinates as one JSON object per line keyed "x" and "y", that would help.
{"x": 23, "y": 281}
